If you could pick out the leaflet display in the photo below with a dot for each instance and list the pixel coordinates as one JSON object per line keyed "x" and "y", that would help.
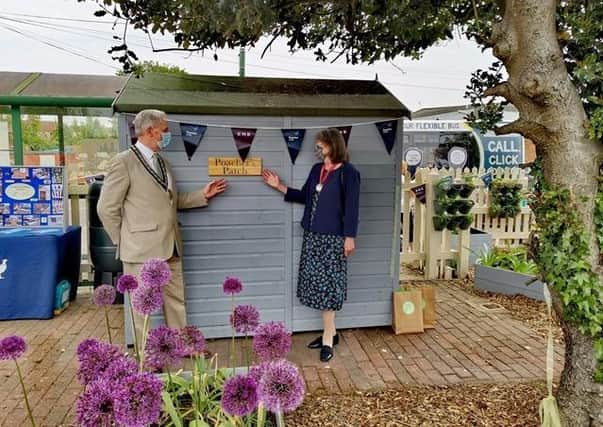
{"x": 32, "y": 196}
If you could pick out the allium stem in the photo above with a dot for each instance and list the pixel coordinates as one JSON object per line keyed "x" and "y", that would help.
{"x": 280, "y": 419}
{"x": 108, "y": 327}
{"x": 246, "y": 353}
{"x": 133, "y": 325}
{"x": 261, "y": 415}
{"x": 31, "y": 418}
{"x": 145, "y": 327}
{"x": 232, "y": 342}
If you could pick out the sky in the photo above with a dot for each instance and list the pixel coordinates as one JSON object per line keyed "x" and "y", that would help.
{"x": 63, "y": 36}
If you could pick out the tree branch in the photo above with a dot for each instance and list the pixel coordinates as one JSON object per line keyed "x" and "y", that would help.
{"x": 535, "y": 131}
{"x": 276, "y": 35}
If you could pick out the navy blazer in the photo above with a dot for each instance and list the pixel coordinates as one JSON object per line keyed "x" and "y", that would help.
{"x": 337, "y": 206}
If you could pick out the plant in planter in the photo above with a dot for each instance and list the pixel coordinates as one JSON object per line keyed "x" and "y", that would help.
{"x": 454, "y": 190}
{"x": 508, "y": 271}
{"x": 440, "y": 221}
{"x": 464, "y": 205}
{"x": 440, "y": 205}
{"x": 465, "y": 221}
{"x": 468, "y": 186}
{"x": 442, "y": 186}
{"x": 505, "y": 198}
{"x": 453, "y": 223}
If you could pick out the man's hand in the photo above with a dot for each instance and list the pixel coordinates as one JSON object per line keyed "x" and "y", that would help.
{"x": 214, "y": 188}
{"x": 348, "y": 246}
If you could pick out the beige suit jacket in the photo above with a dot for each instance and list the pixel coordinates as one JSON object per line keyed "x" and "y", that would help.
{"x": 138, "y": 214}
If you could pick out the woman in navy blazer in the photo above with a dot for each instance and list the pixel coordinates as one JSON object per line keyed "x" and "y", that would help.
{"x": 330, "y": 224}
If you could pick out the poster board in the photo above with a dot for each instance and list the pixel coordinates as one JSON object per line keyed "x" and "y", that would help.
{"x": 33, "y": 196}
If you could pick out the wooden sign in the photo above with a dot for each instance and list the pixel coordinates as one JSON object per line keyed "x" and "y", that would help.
{"x": 234, "y": 166}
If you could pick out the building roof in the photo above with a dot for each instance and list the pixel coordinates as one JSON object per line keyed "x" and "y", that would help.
{"x": 200, "y": 94}
{"x": 447, "y": 109}
{"x": 46, "y": 89}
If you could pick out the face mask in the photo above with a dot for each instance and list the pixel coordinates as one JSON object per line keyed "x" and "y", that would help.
{"x": 318, "y": 152}
{"x": 166, "y": 139}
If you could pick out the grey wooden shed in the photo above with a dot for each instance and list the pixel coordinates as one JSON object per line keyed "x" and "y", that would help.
{"x": 250, "y": 232}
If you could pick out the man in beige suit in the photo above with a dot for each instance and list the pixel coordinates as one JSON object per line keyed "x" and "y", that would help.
{"x": 138, "y": 207}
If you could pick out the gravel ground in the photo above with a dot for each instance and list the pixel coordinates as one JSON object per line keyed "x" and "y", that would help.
{"x": 462, "y": 405}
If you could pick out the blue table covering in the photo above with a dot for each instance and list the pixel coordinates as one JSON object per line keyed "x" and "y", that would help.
{"x": 34, "y": 262}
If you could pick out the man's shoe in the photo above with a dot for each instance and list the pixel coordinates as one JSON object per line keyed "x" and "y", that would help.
{"x": 326, "y": 353}
{"x": 317, "y": 343}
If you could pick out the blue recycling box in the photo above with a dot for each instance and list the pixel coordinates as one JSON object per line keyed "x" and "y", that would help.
{"x": 32, "y": 263}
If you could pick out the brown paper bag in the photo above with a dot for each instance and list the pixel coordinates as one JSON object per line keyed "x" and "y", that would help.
{"x": 429, "y": 306}
{"x": 407, "y": 313}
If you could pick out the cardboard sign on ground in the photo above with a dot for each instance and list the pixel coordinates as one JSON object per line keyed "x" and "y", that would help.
{"x": 407, "y": 312}
{"x": 429, "y": 306}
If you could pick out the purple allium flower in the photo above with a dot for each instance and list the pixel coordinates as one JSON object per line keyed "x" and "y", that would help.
{"x": 245, "y": 319}
{"x": 95, "y": 357}
{"x": 12, "y": 347}
{"x": 155, "y": 272}
{"x": 147, "y": 300}
{"x": 232, "y": 286}
{"x": 257, "y": 371}
{"x": 164, "y": 348}
{"x": 193, "y": 339}
{"x": 240, "y": 395}
{"x": 120, "y": 368}
{"x": 104, "y": 295}
{"x": 126, "y": 283}
{"x": 141, "y": 405}
{"x": 281, "y": 387}
{"x": 271, "y": 341}
{"x": 95, "y": 406}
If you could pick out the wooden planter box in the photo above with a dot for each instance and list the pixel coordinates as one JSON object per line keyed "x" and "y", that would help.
{"x": 507, "y": 282}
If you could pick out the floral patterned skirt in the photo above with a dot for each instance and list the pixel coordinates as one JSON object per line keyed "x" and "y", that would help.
{"x": 322, "y": 280}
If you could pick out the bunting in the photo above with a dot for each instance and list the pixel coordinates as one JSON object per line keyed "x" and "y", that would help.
{"x": 420, "y": 193}
{"x": 192, "y": 135}
{"x": 487, "y": 178}
{"x": 294, "y": 139}
{"x": 387, "y": 130}
{"x": 243, "y": 139}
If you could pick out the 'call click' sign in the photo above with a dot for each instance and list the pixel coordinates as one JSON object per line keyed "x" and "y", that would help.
{"x": 502, "y": 151}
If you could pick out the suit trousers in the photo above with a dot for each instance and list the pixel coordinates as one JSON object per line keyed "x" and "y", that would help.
{"x": 174, "y": 305}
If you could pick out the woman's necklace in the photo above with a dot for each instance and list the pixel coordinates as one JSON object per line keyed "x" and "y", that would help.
{"x": 324, "y": 174}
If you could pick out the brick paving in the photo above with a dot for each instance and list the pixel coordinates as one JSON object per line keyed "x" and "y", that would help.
{"x": 468, "y": 345}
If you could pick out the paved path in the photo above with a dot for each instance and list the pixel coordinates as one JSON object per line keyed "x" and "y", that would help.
{"x": 469, "y": 344}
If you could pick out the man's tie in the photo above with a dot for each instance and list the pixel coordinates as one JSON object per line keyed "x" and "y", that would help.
{"x": 157, "y": 166}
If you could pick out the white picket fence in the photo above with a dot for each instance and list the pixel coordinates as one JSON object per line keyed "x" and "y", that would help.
{"x": 431, "y": 249}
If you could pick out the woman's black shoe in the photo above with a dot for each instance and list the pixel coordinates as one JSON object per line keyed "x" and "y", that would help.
{"x": 326, "y": 353}
{"x": 317, "y": 343}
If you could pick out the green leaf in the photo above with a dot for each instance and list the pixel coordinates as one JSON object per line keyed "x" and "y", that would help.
{"x": 168, "y": 406}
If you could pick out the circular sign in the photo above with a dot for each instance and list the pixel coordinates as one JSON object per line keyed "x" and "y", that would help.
{"x": 408, "y": 308}
{"x": 20, "y": 191}
{"x": 413, "y": 156}
{"x": 457, "y": 157}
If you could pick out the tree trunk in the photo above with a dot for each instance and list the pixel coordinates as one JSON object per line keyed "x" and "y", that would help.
{"x": 551, "y": 114}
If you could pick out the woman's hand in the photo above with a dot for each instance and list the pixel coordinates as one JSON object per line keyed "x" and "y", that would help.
{"x": 272, "y": 179}
{"x": 348, "y": 246}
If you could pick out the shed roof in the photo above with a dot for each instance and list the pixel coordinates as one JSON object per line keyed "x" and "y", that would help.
{"x": 63, "y": 85}
{"x": 47, "y": 89}
{"x": 200, "y": 94}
